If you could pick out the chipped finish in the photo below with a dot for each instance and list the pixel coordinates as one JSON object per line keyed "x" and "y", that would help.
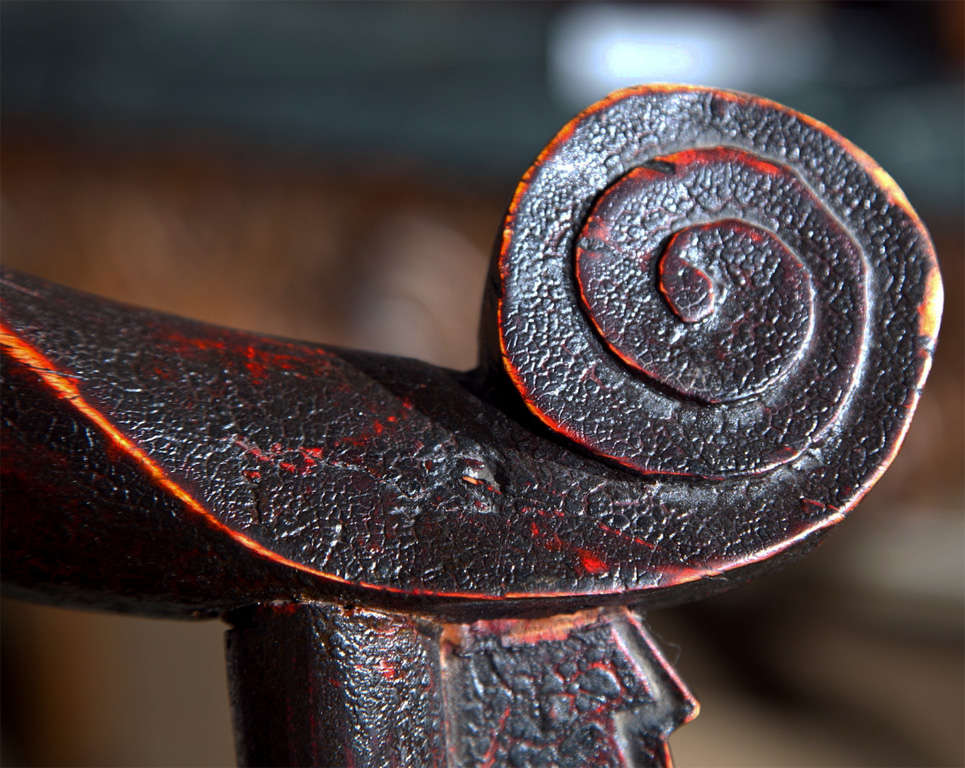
{"x": 318, "y": 685}
{"x": 315, "y": 684}
{"x": 650, "y": 164}
{"x": 360, "y": 471}
{"x": 706, "y": 329}
{"x": 748, "y": 160}
{"x": 583, "y": 690}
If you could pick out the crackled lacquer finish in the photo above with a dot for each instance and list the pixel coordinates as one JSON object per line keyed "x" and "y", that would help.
{"x": 586, "y": 690}
{"x": 705, "y": 285}
{"x": 720, "y": 312}
{"x": 375, "y": 675}
{"x": 705, "y": 331}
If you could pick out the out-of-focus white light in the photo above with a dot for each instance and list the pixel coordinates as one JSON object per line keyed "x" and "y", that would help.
{"x": 595, "y": 49}
{"x": 625, "y": 58}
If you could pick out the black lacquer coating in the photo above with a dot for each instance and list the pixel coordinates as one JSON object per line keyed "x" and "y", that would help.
{"x": 317, "y": 685}
{"x": 570, "y": 693}
{"x": 793, "y": 385}
{"x": 83, "y": 523}
{"x": 320, "y": 472}
{"x": 732, "y": 316}
{"x": 345, "y": 469}
{"x": 706, "y": 328}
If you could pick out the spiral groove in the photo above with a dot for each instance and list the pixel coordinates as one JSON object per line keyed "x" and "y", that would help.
{"x": 735, "y": 308}
{"x": 687, "y": 286}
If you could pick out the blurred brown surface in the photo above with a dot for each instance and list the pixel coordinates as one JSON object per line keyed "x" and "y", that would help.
{"x": 851, "y": 657}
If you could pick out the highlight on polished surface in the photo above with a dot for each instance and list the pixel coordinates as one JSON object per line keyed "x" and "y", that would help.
{"x": 741, "y": 272}
{"x": 720, "y": 311}
{"x": 706, "y": 328}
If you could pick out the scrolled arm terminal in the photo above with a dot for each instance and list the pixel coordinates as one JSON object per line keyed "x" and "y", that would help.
{"x": 707, "y": 324}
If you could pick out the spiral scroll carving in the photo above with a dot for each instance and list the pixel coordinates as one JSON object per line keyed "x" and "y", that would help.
{"x": 689, "y": 283}
{"x": 717, "y": 293}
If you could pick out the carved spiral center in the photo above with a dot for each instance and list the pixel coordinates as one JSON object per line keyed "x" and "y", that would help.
{"x": 705, "y": 299}
{"x": 687, "y": 288}
{"x": 717, "y": 311}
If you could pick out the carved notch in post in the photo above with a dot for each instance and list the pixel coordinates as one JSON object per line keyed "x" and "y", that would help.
{"x": 584, "y": 689}
{"x": 707, "y": 324}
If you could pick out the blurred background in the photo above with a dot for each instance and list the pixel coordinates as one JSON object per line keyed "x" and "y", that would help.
{"x": 337, "y": 172}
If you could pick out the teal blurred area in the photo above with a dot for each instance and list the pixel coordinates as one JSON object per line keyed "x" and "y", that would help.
{"x": 471, "y": 88}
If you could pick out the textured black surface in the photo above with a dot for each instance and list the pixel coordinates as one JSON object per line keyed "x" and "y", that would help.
{"x": 324, "y": 472}
{"x": 571, "y": 692}
{"x": 317, "y": 685}
{"x": 733, "y": 309}
{"x": 720, "y": 314}
{"x": 314, "y": 684}
{"x": 669, "y": 159}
